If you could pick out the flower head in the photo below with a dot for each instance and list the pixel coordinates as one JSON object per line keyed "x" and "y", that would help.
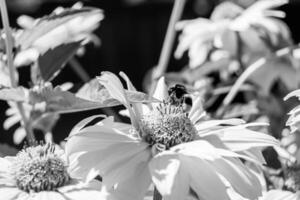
{"x": 40, "y": 172}
{"x": 168, "y": 126}
{"x": 175, "y": 149}
{"x": 39, "y": 169}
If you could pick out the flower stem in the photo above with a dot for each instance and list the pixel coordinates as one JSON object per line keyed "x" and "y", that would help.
{"x": 156, "y": 195}
{"x": 251, "y": 69}
{"x": 12, "y": 70}
{"x": 168, "y": 43}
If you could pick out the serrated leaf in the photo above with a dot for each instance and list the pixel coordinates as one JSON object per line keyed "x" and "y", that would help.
{"x": 70, "y": 25}
{"x": 55, "y": 59}
{"x": 94, "y": 91}
{"x": 13, "y": 94}
{"x": 57, "y": 100}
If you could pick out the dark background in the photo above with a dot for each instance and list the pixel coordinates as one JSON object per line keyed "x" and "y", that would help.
{"x": 131, "y": 39}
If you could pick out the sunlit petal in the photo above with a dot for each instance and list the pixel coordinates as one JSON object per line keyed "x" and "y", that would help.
{"x": 9, "y": 193}
{"x": 127, "y": 169}
{"x": 48, "y": 195}
{"x": 105, "y": 149}
{"x": 204, "y": 179}
{"x": 242, "y": 139}
{"x": 134, "y": 187}
{"x": 213, "y": 124}
{"x": 114, "y": 86}
{"x": 280, "y": 195}
{"x": 84, "y": 194}
{"x": 137, "y": 107}
{"x": 161, "y": 90}
{"x": 239, "y": 177}
{"x": 169, "y": 177}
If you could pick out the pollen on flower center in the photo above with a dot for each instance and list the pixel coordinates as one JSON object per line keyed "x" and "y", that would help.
{"x": 39, "y": 169}
{"x": 168, "y": 125}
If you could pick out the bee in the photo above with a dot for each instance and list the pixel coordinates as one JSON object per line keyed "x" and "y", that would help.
{"x": 179, "y": 96}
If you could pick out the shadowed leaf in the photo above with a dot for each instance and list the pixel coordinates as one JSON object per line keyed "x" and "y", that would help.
{"x": 96, "y": 92}
{"x": 55, "y": 59}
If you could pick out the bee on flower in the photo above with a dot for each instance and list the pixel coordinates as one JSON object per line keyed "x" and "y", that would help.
{"x": 175, "y": 149}
{"x": 40, "y": 172}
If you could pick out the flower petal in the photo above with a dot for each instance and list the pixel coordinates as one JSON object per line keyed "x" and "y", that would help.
{"x": 137, "y": 107}
{"x": 240, "y": 139}
{"x": 174, "y": 174}
{"x": 161, "y": 90}
{"x": 127, "y": 169}
{"x": 47, "y": 195}
{"x": 114, "y": 86}
{"x": 134, "y": 187}
{"x": 204, "y": 179}
{"x": 83, "y": 123}
{"x": 197, "y": 112}
{"x": 280, "y": 195}
{"x": 213, "y": 123}
{"x": 9, "y": 193}
{"x": 84, "y": 194}
{"x": 170, "y": 179}
{"x": 239, "y": 177}
{"x": 5, "y": 165}
{"x": 104, "y": 149}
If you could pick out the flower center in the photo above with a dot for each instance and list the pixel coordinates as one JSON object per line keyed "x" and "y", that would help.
{"x": 292, "y": 178}
{"x": 167, "y": 126}
{"x": 40, "y": 169}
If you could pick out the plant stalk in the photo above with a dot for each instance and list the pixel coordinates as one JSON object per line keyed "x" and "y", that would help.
{"x": 168, "y": 42}
{"x": 252, "y": 68}
{"x": 9, "y": 47}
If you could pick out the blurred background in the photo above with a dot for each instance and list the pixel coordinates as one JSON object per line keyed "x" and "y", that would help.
{"x": 131, "y": 34}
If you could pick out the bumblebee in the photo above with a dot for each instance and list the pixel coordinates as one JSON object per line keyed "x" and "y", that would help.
{"x": 179, "y": 96}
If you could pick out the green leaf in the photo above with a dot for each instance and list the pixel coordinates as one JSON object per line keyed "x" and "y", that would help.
{"x": 13, "y": 94}
{"x": 55, "y": 59}
{"x": 57, "y": 100}
{"x": 271, "y": 71}
{"x": 94, "y": 91}
{"x": 43, "y": 121}
{"x": 70, "y": 25}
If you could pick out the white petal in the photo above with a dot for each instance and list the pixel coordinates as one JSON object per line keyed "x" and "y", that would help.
{"x": 127, "y": 169}
{"x": 242, "y": 139}
{"x": 161, "y": 90}
{"x": 137, "y": 107}
{"x": 114, "y": 86}
{"x": 5, "y": 164}
{"x": 134, "y": 187}
{"x": 239, "y": 177}
{"x": 204, "y": 180}
{"x": 83, "y": 123}
{"x": 84, "y": 194}
{"x": 169, "y": 177}
{"x": 47, "y": 195}
{"x": 9, "y": 193}
{"x": 103, "y": 148}
{"x": 280, "y": 195}
{"x": 212, "y": 124}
